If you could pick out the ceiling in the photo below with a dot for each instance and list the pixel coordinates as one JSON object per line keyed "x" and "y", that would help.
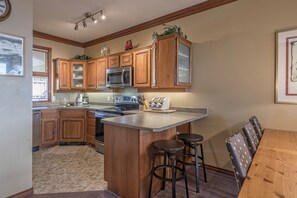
{"x": 58, "y": 17}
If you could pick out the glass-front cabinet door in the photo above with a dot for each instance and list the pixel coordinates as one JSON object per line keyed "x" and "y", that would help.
{"x": 78, "y": 75}
{"x": 184, "y": 63}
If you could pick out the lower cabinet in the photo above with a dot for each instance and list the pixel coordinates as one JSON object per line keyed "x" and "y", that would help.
{"x": 72, "y": 125}
{"x": 49, "y": 128}
{"x": 91, "y": 128}
{"x": 185, "y": 128}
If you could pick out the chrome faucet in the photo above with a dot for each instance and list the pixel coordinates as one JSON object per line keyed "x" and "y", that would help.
{"x": 78, "y": 99}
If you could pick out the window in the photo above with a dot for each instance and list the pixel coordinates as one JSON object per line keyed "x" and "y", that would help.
{"x": 41, "y": 79}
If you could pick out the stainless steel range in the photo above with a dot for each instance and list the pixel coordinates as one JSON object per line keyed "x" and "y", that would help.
{"x": 122, "y": 103}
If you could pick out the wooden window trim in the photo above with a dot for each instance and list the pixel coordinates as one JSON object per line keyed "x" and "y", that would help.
{"x": 45, "y": 74}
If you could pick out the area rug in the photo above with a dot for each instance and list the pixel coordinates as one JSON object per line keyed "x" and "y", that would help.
{"x": 68, "y": 169}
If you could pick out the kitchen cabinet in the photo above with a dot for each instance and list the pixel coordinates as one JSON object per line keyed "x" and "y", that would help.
{"x": 184, "y": 128}
{"x": 78, "y": 75}
{"x": 173, "y": 62}
{"x": 113, "y": 61}
{"x": 126, "y": 59}
{"x": 91, "y": 128}
{"x": 91, "y": 73}
{"x": 62, "y": 74}
{"x": 142, "y": 68}
{"x": 49, "y": 128}
{"x": 184, "y": 62}
{"x": 72, "y": 125}
{"x": 101, "y": 72}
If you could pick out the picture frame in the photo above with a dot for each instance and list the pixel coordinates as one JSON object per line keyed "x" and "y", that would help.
{"x": 286, "y": 67}
{"x": 11, "y": 55}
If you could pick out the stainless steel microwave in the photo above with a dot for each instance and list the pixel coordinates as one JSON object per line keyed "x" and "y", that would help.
{"x": 119, "y": 77}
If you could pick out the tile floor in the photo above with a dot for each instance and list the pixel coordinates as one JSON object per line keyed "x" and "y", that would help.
{"x": 78, "y": 170}
{"x": 68, "y": 169}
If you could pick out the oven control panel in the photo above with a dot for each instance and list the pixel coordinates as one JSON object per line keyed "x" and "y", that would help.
{"x": 125, "y": 99}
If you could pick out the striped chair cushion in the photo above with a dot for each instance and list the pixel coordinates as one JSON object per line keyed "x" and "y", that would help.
{"x": 240, "y": 156}
{"x": 251, "y": 136}
{"x": 257, "y": 126}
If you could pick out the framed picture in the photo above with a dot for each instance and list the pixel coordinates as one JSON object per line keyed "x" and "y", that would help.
{"x": 286, "y": 67}
{"x": 11, "y": 55}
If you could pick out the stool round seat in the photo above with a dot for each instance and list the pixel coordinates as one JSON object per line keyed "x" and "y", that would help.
{"x": 189, "y": 137}
{"x": 171, "y": 146}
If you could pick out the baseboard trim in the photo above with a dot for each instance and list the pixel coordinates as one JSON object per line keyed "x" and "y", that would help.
{"x": 220, "y": 170}
{"x": 22, "y": 194}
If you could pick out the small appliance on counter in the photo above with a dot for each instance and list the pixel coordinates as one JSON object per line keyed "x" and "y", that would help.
{"x": 160, "y": 103}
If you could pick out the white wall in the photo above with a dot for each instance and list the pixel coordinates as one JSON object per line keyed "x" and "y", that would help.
{"x": 16, "y": 108}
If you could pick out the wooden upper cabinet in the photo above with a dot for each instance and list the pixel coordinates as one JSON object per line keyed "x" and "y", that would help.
{"x": 91, "y": 73}
{"x": 142, "y": 68}
{"x": 126, "y": 59}
{"x": 62, "y": 74}
{"x": 78, "y": 75}
{"x": 173, "y": 59}
{"x": 183, "y": 63}
{"x": 113, "y": 61}
{"x": 101, "y": 72}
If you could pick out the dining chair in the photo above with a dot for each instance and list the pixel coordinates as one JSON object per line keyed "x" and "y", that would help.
{"x": 240, "y": 155}
{"x": 251, "y": 137}
{"x": 257, "y": 126}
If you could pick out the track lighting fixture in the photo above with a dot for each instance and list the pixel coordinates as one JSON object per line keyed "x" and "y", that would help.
{"x": 89, "y": 15}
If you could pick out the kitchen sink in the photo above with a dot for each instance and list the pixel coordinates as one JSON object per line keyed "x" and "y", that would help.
{"x": 76, "y": 106}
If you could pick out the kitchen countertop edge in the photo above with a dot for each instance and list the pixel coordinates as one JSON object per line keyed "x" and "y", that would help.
{"x": 196, "y": 116}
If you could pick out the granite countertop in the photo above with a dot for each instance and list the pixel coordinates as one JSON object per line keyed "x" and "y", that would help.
{"x": 154, "y": 122}
{"x": 138, "y": 119}
{"x": 89, "y": 107}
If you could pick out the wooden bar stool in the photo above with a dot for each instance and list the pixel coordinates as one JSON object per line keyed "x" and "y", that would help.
{"x": 171, "y": 149}
{"x": 192, "y": 142}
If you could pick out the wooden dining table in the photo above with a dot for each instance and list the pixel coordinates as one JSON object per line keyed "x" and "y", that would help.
{"x": 273, "y": 171}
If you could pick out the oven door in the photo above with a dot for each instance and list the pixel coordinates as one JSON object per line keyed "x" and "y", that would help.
{"x": 99, "y": 144}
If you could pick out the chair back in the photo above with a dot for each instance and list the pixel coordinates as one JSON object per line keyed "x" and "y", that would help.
{"x": 240, "y": 157}
{"x": 251, "y": 136}
{"x": 257, "y": 126}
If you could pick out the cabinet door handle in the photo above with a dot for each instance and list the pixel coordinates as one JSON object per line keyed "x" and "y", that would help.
{"x": 122, "y": 77}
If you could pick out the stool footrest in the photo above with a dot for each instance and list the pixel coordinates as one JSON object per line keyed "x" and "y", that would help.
{"x": 161, "y": 167}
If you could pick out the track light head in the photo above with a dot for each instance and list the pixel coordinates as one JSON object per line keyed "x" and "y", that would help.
{"x": 84, "y": 23}
{"x": 94, "y": 20}
{"x": 102, "y": 15}
{"x": 76, "y": 27}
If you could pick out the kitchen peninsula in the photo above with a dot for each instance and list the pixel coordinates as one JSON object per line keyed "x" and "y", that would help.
{"x": 127, "y": 151}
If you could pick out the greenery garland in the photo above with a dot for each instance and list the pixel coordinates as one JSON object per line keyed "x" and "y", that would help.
{"x": 81, "y": 57}
{"x": 169, "y": 29}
